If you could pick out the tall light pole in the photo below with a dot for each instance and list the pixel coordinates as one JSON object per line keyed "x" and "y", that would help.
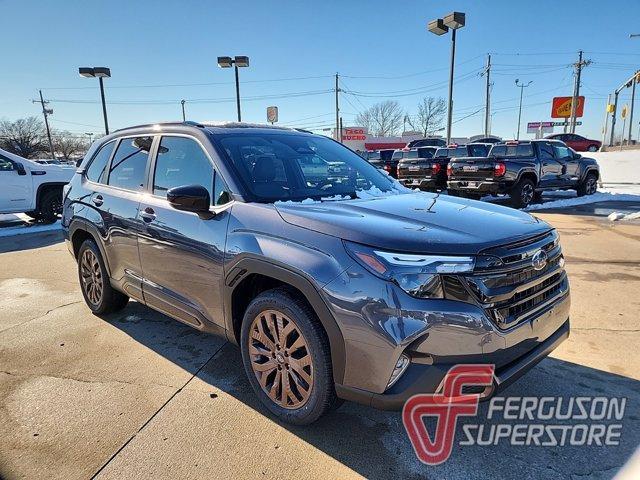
{"x": 237, "y": 61}
{"x": 100, "y": 73}
{"x": 90, "y": 135}
{"x": 440, "y": 26}
{"x": 184, "y": 117}
{"x": 522, "y": 86}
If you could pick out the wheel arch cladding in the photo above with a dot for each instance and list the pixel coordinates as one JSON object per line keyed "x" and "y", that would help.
{"x": 47, "y": 187}
{"x": 79, "y": 232}
{"x": 528, "y": 174}
{"x": 250, "y": 277}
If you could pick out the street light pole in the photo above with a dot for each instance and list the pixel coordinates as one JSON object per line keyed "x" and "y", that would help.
{"x": 522, "y": 86}
{"x": 440, "y": 26}
{"x": 184, "y": 117}
{"x": 100, "y": 73}
{"x": 237, "y": 61}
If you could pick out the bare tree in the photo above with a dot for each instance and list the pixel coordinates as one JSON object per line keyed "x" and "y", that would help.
{"x": 430, "y": 116}
{"x": 25, "y": 137}
{"x": 382, "y": 119}
{"x": 69, "y": 146}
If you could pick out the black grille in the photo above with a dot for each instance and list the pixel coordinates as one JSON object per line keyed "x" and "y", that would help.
{"x": 510, "y": 289}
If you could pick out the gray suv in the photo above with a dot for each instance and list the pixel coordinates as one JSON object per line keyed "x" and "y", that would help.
{"x": 335, "y": 281}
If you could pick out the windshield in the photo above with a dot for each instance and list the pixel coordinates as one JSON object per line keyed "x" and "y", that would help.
{"x": 282, "y": 166}
{"x": 519, "y": 150}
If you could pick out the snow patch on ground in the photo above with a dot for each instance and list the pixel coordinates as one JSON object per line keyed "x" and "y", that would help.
{"x": 569, "y": 199}
{"x": 616, "y": 216}
{"x": 26, "y": 227}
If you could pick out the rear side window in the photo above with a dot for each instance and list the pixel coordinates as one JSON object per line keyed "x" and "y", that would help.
{"x": 129, "y": 163}
{"x": 520, "y": 150}
{"x": 546, "y": 151}
{"x": 98, "y": 165}
{"x": 181, "y": 161}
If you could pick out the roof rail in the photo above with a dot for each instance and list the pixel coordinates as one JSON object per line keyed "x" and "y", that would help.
{"x": 193, "y": 124}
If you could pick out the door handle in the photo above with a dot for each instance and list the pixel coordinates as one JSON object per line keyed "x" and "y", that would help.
{"x": 97, "y": 200}
{"x": 148, "y": 214}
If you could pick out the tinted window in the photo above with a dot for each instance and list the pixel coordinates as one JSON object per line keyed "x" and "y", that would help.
{"x": 129, "y": 163}
{"x": 546, "y": 151}
{"x": 411, "y": 154}
{"x": 442, "y": 152}
{"x": 459, "y": 152}
{"x": 98, "y": 165}
{"x": 426, "y": 152}
{"x": 5, "y": 164}
{"x": 519, "y": 150}
{"x": 478, "y": 150}
{"x": 271, "y": 166}
{"x": 561, "y": 151}
{"x": 181, "y": 161}
{"x": 397, "y": 155}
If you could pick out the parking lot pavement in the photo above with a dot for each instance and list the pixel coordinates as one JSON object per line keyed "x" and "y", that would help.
{"x": 137, "y": 395}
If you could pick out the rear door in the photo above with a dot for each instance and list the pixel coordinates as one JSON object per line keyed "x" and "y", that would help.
{"x": 550, "y": 169}
{"x": 16, "y": 191}
{"x": 182, "y": 252}
{"x": 115, "y": 199}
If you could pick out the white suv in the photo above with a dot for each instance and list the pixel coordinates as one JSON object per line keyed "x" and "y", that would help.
{"x": 32, "y": 188}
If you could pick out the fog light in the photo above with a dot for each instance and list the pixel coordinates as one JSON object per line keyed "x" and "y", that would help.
{"x": 398, "y": 370}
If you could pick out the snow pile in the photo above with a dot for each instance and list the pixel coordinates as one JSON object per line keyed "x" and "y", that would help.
{"x": 568, "y": 199}
{"x": 29, "y": 228}
{"x": 615, "y": 216}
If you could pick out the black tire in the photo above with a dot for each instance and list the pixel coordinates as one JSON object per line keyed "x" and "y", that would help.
{"x": 592, "y": 148}
{"x": 588, "y": 186}
{"x": 50, "y": 206}
{"x": 108, "y": 300}
{"x": 537, "y": 197}
{"x": 523, "y": 193}
{"x": 321, "y": 397}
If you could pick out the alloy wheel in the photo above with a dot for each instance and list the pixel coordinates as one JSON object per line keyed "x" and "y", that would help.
{"x": 280, "y": 359}
{"x": 591, "y": 186}
{"x": 92, "y": 281}
{"x": 527, "y": 194}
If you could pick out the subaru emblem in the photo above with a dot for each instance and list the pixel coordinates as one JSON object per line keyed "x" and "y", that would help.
{"x": 539, "y": 260}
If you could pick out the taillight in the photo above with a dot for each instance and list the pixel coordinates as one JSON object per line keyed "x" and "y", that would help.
{"x": 435, "y": 168}
{"x": 449, "y": 170}
{"x": 499, "y": 169}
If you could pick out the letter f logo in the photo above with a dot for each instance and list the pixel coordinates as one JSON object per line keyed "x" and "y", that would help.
{"x": 446, "y": 406}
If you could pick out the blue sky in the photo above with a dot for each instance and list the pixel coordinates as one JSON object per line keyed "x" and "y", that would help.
{"x": 152, "y": 47}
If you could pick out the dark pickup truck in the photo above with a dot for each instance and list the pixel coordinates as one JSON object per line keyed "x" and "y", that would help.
{"x": 429, "y": 172}
{"x": 523, "y": 170}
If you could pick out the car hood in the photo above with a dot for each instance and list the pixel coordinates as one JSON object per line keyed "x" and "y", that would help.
{"x": 416, "y": 222}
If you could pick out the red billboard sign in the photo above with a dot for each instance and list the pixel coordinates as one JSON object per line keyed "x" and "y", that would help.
{"x": 354, "y": 134}
{"x": 561, "y": 107}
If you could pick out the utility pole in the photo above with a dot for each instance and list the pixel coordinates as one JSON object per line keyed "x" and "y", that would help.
{"x": 338, "y": 132}
{"x": 46, "y": 112}
{"x": 579, "y": 65}
{"x": 341, "y": 129}
{"x": 633, "y": 97}
{"x": 487, "y": 112}
{"x": 184, "y": 118}
{"x": 521, "y": 86}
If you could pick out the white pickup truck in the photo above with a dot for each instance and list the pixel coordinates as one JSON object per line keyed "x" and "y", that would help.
{"x": 32, "y": 188}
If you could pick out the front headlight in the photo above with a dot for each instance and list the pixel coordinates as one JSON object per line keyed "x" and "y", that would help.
{"x": 418, "y": 275}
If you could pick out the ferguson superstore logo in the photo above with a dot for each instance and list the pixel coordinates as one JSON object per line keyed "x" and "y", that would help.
{"x": 518, "y": 421}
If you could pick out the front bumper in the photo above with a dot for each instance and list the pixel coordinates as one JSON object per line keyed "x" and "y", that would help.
{"x": 435, "y": 334}
{"x": 478, "y": 186}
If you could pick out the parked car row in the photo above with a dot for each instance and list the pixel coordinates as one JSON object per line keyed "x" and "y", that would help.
{"x": 520, "y": 169}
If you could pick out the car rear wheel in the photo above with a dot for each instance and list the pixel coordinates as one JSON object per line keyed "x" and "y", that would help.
{"x": 523, "y": 193}
{"x": 589, "y": 186}
{"x": 286, "y": 357}
{"x": 97, "y": 291}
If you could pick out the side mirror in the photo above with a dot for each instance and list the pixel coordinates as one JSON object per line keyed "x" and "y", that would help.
{"x": 577, "y": 155}
{"x": 20, "y": 168}
{"x": 191, "y": 198}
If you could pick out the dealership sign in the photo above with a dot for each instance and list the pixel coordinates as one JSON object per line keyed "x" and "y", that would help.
{"x": 354, "y": 134}
{"x": 561, "y": 107}
{"x": 543, "y": 127}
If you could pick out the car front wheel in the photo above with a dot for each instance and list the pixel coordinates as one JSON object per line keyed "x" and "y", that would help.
{"x": 286, "y": 356}
{"x": 592, "y": 148}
